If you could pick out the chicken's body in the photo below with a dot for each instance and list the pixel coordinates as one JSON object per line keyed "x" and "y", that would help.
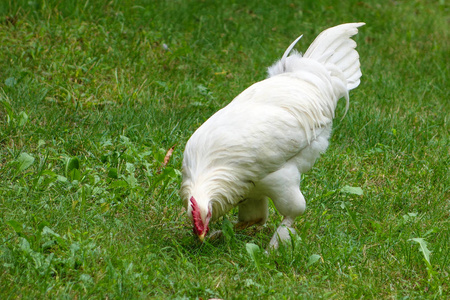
{"x": 256, "y": 147}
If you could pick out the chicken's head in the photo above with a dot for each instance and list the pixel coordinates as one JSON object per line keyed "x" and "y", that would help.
{"x": 200, "y": 222}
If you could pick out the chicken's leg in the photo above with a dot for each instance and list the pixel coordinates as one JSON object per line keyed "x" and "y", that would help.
{"x": 252, "y": 211}
{"x": 283, "y": 188}
{"x": 283, "y": 233}
{"x": 290, "y": 206}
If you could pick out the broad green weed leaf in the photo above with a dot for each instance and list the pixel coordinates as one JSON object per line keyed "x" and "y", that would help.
{"x": 131, "y": 180}
{"x": 25, "y": 160}
{"x": 423, "y": 248}
{"x": 72, "y": 163}
{"x": 313, "y": 259}
{"x": 352, "y": 190}
{"x": 22, "y": 118}
{"x": 130, "y": 168}
{"x": 74, "y": 248}
{"x": 171, "y": 173}
{"x": 17, "y": 226}
{"x": 125, "y": 140}
{"x": 86, "y": 278}
{"x": 61, "y": 178}
{"x": 409, "y": 216}
{"x": 49, "y": 173}
{"x": 168, "y": 174}
{"x": 112, "y": 173}
{"x": 159, "y": 155}
{"x": 250, "y": 282}
{"x": 10, "y": 81}
{"x": 106, "y": 143}
{"x": 75, "y": 174}
{"x": 59, "y": 239}
{"x": 48, "y": 244}
{"x": 24, "y": 244}
{"x": 254, "y": 251}
{"x": 47, "y": 230}
{"x": 73, "y": 169}
{"x": 119, "y": 184}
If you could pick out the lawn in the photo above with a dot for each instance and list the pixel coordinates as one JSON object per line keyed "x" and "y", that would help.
{"x": 94, "y": 93}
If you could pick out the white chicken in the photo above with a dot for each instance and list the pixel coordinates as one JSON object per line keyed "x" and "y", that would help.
{"x": 257, "y": 146}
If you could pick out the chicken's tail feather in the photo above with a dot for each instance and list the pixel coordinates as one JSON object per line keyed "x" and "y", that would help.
{"x": 281, "y": 66}
{"x": 334, "y": 46}
{"x": 333, "y": 49}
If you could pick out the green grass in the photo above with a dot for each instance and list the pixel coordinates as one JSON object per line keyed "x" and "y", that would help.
{"x": 93, "y": 94}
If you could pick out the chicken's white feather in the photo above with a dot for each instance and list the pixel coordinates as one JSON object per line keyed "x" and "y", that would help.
{"x": 277, "y": 127}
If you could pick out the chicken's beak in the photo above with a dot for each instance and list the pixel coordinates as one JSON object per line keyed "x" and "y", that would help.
{"x": 202, "y": 236}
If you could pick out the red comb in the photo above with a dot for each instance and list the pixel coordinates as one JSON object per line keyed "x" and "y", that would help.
{"x": 197, "y": 218}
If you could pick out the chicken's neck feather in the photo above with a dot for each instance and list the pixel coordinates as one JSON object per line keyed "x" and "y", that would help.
{"x": 219, "y": 188}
